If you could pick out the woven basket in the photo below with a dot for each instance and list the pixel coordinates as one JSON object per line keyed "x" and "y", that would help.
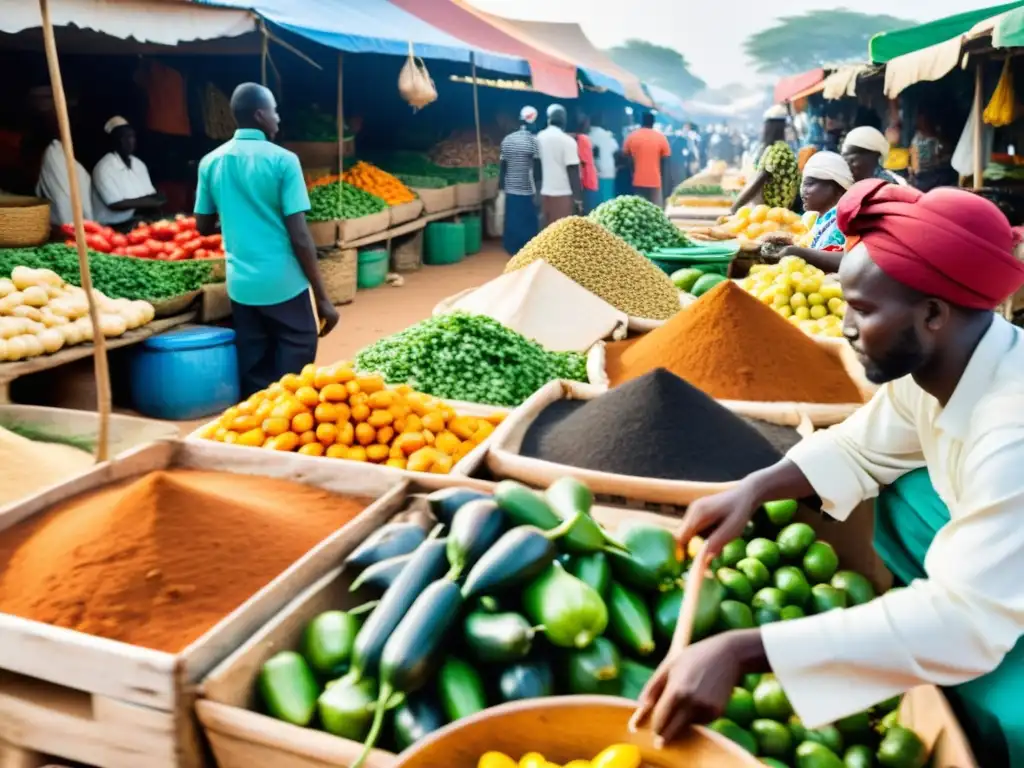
{"x": 24, "y": 221}
{"x": 339, "y": 269}
{"x": 436, "y": 200}
{"x": 407, "y": 252}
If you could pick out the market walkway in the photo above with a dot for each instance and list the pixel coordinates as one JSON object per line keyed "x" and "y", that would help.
{"x": 386, "y": 310}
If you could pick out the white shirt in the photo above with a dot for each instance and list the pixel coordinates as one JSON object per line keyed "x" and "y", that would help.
{"x": 604, "y": 141}
{"x": 958, "y": 623}
{"x": 113, "y": 181}
{"x": 55, "y": 185}
{"x": 557, "y": 151}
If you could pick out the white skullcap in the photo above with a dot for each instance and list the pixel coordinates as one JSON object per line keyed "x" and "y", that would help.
{"x": 528, "y": 115}
{"x": 555, "y": 108}
{"x": 113, "y": 124}
{"x": 776, "y": 112}
{"x": 868, "y": 138}
{"x": 829, "y": 166}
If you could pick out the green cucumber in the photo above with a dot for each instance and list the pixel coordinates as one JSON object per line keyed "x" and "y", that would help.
{"x": 524, "y": 506}
{"x": 415, "y": 718}
{"x": 594, "y": 669}
{"x": 288, "y": 688}
{"x": 391, "y": 540}
{"x": 427, "y": 565}
{"x": 633, "y": 677}
{"x": 592, "y": 569}
{"x": 461, "y": 689}
{"x": 411, "y": 652}
{"x": 570, "y": 611}
{"x": 476, "y": 526}
{"x": 629, "y": 620}
{"x": 497, "y": 638}
{"x": 380, "y": 576}
{"x": 633, "y": 573}
{"x": 346, "y": 707}
{"x": 568, "y": 498}
{"x": 666, "y": 610}
{"x": 328, "y": 640}
{"x": 447, "y": 501}
{"x": 655, "y": 548}
{"x": 526, "y": 680}
{"x": 518, "y": 556}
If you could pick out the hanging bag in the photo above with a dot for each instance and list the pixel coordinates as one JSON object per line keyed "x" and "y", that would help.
{"x": 414, "y": 83}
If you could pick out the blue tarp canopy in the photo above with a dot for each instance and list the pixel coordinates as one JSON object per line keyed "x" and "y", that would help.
{"x": 667, "y": 101}
{"x": 371, "y": 26}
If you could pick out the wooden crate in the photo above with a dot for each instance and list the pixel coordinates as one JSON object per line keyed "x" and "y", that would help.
{"x": 114, "y": 705}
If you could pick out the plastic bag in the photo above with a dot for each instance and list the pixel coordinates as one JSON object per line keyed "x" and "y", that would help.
{"x": 1001, "y": 106}
{"x": 496, "y": 216}
{"x": 414, "y": 83}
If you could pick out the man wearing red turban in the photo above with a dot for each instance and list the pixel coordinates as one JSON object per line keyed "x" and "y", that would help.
{"x": 941, "y": 446}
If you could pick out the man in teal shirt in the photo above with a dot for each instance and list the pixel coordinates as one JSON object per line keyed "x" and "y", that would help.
{"x": 258, "y": 190}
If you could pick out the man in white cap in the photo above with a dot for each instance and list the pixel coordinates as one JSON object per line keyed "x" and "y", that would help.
{"x": 865, "y": 149}
{"x": 53, "y": 183}
{"x": 520, "y": 166}
{"x": 120, "y": 181}
{"x": 561, "y": 192}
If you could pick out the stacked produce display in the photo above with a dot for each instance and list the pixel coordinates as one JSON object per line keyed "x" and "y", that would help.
{"x": 382, "y": 184}
{"x": 456, "y": 164}
{"x": 472, "y": 358}
{"x": 755, "y": 224}
{"x": 604, "y": 264}
{"x": 801, "y": 293}
{"x": 522, "y": 595}
{"x": 459, "y": 150}
{"x": 164, "y": 240}
{"x": 336, "y": 412}
{"x": 333, "y": 200}
{"x": 640, "y": 223}
{"x": 40, "y": 314}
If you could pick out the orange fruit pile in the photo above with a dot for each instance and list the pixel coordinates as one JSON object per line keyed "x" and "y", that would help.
{"x": 372, "y": 179}
{"x": 336, "y": 412}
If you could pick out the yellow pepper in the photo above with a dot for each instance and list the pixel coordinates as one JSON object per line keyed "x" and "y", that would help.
{"x": 533, "y": 760}
{"x": 496, "y": 760}
{"x": 618, "y": 756}
{"x": 578, "y": 764}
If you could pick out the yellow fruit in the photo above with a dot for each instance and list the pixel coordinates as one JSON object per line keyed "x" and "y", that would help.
{"x": 346, "y": 434}
{"x": 365, "y": 434}
{"x": 398, "y": 464}
{"x": 818, "y": 311}
{"x": 780, "y": 299}
{"x": 334, "y": 393}
{"x": 289, "y": 441}
{"x": 760, "y": 213}
{"x": 370, "y": 384}
{"x": 744, "y": 213}
{"x": 797, "y": 300}
{"x": 786, "y": 311}
{"x": 307, "y": 437}
{"x": 337, "y": 451}
{"x": 836, "y": 306}
{"x": 356, "y": 453}
{"x": 832, "y": 290}
{"x": 290, "y": 382}
{"x": 770, "y": 226}
{"x": 801, "y": 313}
{"x": 753, "y": 230}
{"x": 276, "y": 425}
{"x": 777, "y": 215}
{"x": 326, "y": 433}
{"x": 495, "y": 760}
{"x": 618, "y": 756}
{"x": 312, "y": 449}
{"x": 302, "y": 422}
{"x": 254, "y": 438}
{"x": 376, "y": 452}
{"x": 814, "y": 299}
{"x": 380, "y": 418}
{"x": 360, "y": 412}
{"x": 385, "y": 435}
{"x": 308, "y": 396}
{"x": 244, "y": 423}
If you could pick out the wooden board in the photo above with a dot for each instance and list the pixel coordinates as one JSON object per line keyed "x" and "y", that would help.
{"x": 136, "y": 693}
{"x": 11, "y": 371}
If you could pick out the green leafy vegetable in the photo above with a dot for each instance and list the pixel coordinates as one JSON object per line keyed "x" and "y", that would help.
{"x": 640, "y": 223}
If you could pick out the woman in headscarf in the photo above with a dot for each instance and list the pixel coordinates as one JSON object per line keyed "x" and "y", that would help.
{"x": 777, "y": 178}
{"x": 865, "y": 149}
{"x": 826, "y": 179}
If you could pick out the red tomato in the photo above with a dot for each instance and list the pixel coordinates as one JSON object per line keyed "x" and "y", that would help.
{"x": 120, "y": 251}
{"x": 187, "y": 222}
{"x": 177, "y": 255}
{"x": 211, "y": 241}
{"x": 68, "y": 229}
{"x": 138, "y": 251}
{"x": 108, "y": 233}
{"x": 98, "y": 243}
{"x": 156, "y": 247}
{"x": 200, "y": 254}
{"x": 118, "y": 240}
{"x": 182, "y": 237}
{"x": 91, "y": 227}
{"x": 192, "y": 245}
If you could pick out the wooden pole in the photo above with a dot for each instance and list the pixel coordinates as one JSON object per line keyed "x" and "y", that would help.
{"x": 99, "y": 343}
{"x": 476, "y": 119}
{"x": 264, "y": 51}
{"x": 341, "y": 114}
{"x": 979, "y": 161}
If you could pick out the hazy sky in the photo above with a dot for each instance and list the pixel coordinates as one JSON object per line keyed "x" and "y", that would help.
{"x": 709, "y": 32}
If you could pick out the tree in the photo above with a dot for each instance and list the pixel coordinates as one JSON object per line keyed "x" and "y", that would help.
{"x": 657, "y": 65}
{"x": 799, "y": 43}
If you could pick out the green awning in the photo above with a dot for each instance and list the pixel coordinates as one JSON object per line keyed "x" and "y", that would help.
{"x": 1009, "y": 31}
{"x": 888, "y": 45}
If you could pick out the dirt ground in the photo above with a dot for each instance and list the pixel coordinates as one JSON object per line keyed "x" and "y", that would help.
{"x": 386, "y": 310}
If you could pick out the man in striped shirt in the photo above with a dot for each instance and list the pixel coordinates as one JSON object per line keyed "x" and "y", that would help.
{"x": 520, "y": 166}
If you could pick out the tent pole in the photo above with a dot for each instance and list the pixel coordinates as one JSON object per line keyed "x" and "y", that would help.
{"x": 264, "y": 50}
{"x": 99, "y": 343}
{"x": 341, "y": 115}
{"x": 979, "y": 163}
{"x": 476, "y": 119}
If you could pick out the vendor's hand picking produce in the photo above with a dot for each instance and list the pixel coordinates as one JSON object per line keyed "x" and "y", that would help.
{"x": 341, "y": 414}
{"x": 615, "y": 756}
{"x": 339, "y": 200}
{"x": 523, "y": 594}
{"x": 40, "y": 314}
{"x": 472, "y": 358}
{"x": 640, "y": 223}
{"x": 751, "y": 223}
{"x": 801, "y": 293}
{"x": 163, "y": 240}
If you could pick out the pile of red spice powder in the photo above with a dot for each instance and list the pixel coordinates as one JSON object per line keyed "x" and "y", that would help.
{"x": 158, "y": 561}
{"x": 733, "y": 347}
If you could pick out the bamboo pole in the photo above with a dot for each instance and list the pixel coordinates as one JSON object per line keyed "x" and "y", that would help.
{"x": 99, "y": 343}
{"x": 979, "y": 161}
{"x": 476, "y": 119}
{"x": 341, "y": 114}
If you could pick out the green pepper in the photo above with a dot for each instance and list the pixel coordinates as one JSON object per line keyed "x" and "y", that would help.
{"x": 592, "y": 569}
{"x": 570, "y": 611}
{"x": 288, "y": 688}
{"x": 327, "y": 641}
{"x": 570, "y": 498}
{"x": 346, "y": 707}
{"x": 461, "y": 689}
{"x": 666, "y": 610}
{"x": 497, "y": 637}
{"x": 594, "y": 669}
{"x": 654, "y": 548}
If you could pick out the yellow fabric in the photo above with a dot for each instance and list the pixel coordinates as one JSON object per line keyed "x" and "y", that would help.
{"x": 898, "y": 160}
{"x": 1000, "y": 109}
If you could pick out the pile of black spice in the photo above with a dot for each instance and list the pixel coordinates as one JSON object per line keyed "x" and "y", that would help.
{"x": 654, "y": 426}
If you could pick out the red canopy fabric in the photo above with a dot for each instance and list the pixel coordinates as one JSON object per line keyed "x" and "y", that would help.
{"x": 550, "y": 75}
{"x": 794, "y": 85}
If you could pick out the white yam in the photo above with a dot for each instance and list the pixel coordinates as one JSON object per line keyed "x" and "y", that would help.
{"x": 113, "y": 325}
{"x": 51, "y": 339}
{"x": 7, "y": 287}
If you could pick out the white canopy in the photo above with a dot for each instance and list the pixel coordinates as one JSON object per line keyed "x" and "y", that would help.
{"x": 159, "y": 22}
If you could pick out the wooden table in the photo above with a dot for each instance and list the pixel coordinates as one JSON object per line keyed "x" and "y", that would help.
{"x": 411, "y": 226}
{"x": 15, "y": 370}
